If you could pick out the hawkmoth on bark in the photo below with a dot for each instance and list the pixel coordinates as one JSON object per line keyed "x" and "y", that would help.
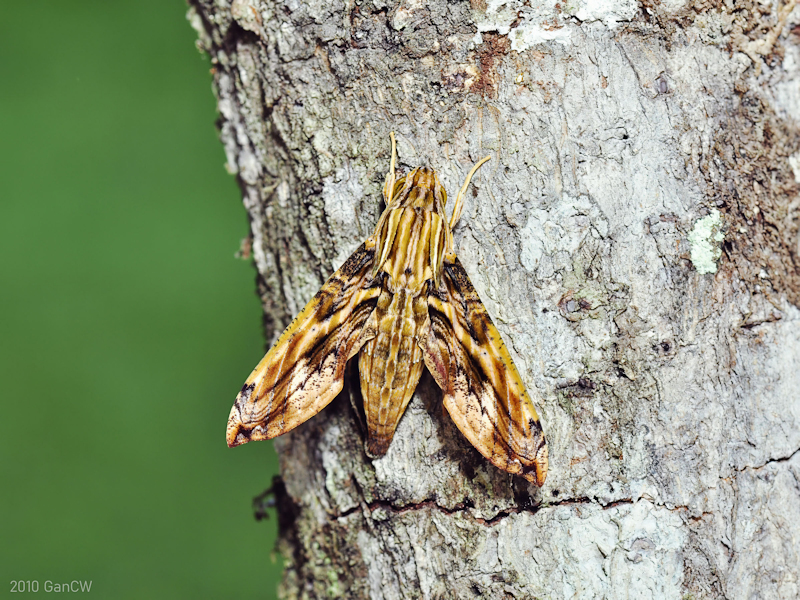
{"x": 401, "y": 301}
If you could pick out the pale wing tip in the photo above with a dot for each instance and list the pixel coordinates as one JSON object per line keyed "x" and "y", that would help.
{"x": 238, "y": 432}
{"x": 232, "y": 432}
{"x": 536, "y": 473}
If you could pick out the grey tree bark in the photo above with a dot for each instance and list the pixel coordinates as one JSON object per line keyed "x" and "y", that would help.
{"x": 635, "y": 237}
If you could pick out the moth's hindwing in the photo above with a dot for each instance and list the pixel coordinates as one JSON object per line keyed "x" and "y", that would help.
{"x": 304, "y": 370}
{"x": 483, "y": 392}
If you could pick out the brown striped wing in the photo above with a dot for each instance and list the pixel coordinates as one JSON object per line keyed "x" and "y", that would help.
{"x": 304, "y": 370}
{"x": 483, "y": 392}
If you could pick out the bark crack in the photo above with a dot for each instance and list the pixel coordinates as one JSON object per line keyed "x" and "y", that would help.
{"x": 467, "y": 507}
{"x": 780, "y": 459}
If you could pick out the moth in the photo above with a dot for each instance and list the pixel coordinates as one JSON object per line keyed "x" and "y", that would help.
{"x": 401, "y": 302}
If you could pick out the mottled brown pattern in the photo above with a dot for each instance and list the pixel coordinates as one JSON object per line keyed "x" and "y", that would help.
{"x": 404, "y": 301}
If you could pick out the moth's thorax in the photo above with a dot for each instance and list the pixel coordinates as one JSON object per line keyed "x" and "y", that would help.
{"x": 415, "y": 248}
{"x": 421, "y": 189}
{"x": 411, "y": 235}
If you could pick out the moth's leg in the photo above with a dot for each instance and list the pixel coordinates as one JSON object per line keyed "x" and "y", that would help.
{"x": 388, "y": 186}
{"x": 459, "y": 205}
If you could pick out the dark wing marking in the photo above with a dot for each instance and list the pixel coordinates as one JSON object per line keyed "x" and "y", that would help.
{"x": 304, "y": 370}
{"x": 482, "y": 389}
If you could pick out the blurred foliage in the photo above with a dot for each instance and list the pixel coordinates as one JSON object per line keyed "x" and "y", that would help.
{"x": 127, "y": 324}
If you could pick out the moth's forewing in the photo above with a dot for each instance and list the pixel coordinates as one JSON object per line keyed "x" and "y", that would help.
{"x": 304, "y": 370}
{"x": 482, "y": 389}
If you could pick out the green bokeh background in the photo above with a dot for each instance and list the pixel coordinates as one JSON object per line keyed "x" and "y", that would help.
{"x": 127, "y": 325}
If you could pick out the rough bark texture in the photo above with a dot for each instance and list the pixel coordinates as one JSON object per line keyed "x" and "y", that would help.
{"x": 631, "y": 143}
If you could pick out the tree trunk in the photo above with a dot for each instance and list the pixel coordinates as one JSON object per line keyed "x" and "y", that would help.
{"x": 634, "y": 237}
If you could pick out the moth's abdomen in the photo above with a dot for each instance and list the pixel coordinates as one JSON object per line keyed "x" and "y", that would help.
{"x": 390, "y": 364}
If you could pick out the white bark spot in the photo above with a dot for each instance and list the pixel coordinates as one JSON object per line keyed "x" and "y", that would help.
{"x": 529, "y": 34}
{"x": 245, "y": 12}
{"x": 787, "y": 89}
{"x": 249, "y": 167}
{"x": 794, "y": 162}
{"x": 196, "y": 23}
{"x": 610, "y": 12}
{"x": 543, "y": 23}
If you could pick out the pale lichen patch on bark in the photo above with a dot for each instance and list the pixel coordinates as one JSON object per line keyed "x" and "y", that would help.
{"x": 705, "y": 239}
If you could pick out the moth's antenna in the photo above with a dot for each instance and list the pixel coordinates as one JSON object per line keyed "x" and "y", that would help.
{"x": 388, "y": 190}
{"x": 388, "y": 186}
{"x": 462, "y": 192}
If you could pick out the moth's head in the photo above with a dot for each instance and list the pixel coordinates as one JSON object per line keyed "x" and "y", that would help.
{"x": 421, "y": 188}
